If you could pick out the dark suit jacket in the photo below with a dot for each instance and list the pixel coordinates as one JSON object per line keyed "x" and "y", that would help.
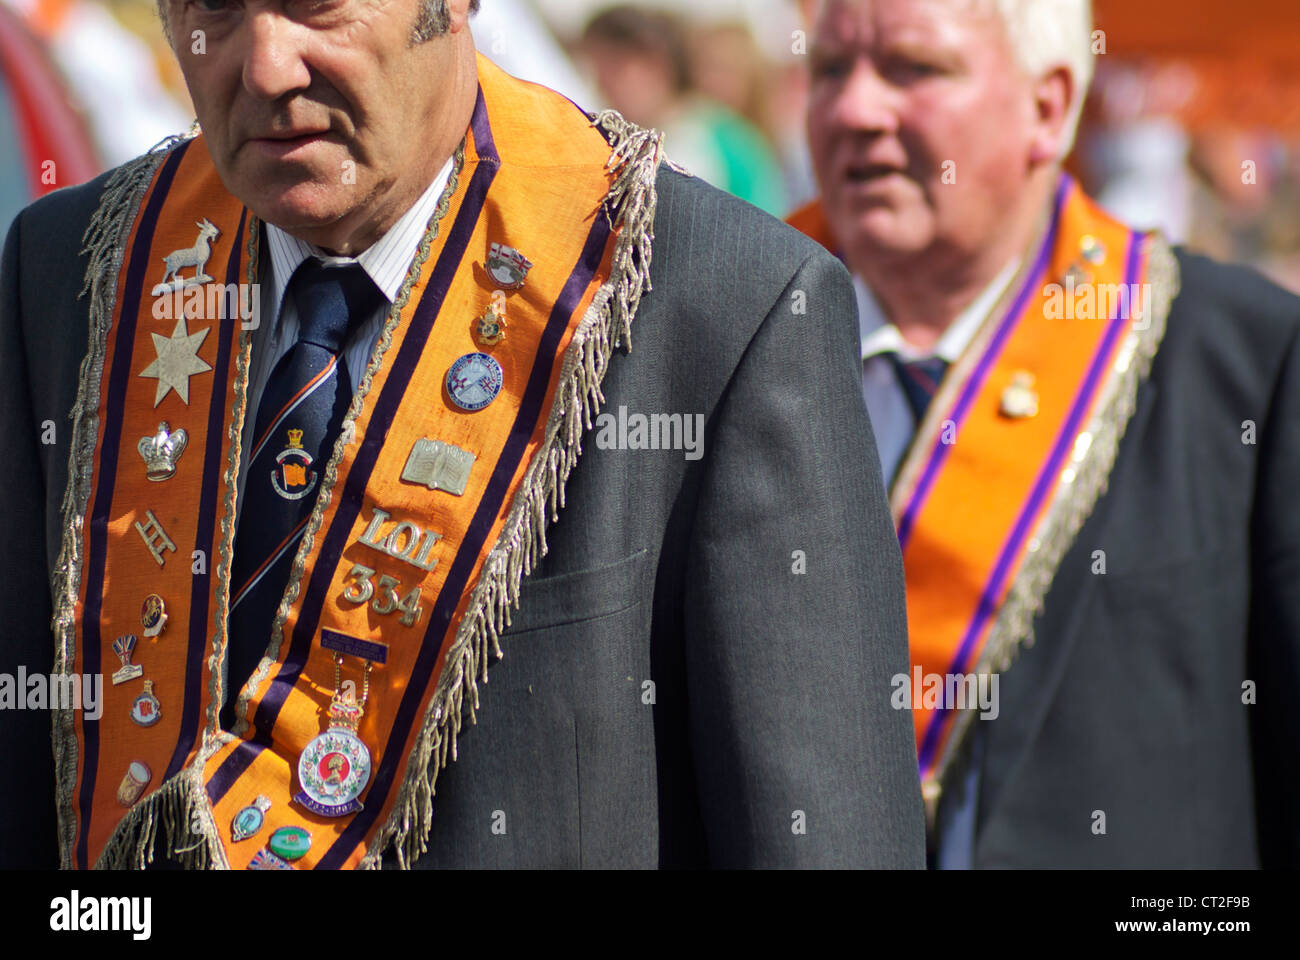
{"x": 770, "y": 687}
{"x": 1131, "y": 701}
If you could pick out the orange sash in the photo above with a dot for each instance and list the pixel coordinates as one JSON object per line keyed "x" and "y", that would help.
{"x": 420, "y": 577}
{"x": 1014, "y": 450}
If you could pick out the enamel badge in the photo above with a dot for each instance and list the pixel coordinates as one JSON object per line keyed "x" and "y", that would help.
{"x": 153, "y": 615}
{"x": 507, "y": 266}
{"x": 334, "y": 768}
{"x": 266, "y": 860}
{"x": 290, "y": 843}
{"x": 123, "y": 646}
{"x": 133, "y": 783}
{"x": 250, "y": 819}
{"x": 293, "y": 477}
{"x": 474, "y": 381}
{"x": 489, "y": 329}
{"x": 146, "y": 710}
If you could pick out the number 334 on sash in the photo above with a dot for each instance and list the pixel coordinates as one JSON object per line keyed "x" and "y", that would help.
{"x": 382, "y": 594}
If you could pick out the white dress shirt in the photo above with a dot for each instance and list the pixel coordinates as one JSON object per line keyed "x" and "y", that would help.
{"x": 386, "y": 261}
{"x": 891, "y": 415}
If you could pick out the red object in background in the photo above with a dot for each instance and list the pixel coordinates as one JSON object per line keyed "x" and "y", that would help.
{"x": 1239, "y": 61}
{"x": 48, "y": 126}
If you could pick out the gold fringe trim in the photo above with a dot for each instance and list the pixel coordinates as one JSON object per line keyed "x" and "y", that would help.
{"x": 635, "y": 157}
{"x": 1083, "y": 481}
{"x": 181, "y": 810}
{"x": 105, "y": 241}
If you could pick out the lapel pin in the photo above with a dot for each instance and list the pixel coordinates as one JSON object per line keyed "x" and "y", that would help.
{"x": 250, "y": 819}
{"x": 507, "y": 266}
{"x": 474, "y": 381}
{"x": 1019, "y": 400}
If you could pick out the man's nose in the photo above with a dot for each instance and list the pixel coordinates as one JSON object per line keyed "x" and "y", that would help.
{"x": 273, "y": 65}
{"x": 866, "y": 102}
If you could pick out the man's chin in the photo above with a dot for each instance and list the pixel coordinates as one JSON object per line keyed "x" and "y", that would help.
{"x": 882, "y": 234}
{"x": 299, "y": 206}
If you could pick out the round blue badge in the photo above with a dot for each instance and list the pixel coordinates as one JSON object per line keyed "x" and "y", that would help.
{"x": 474, "y": 381}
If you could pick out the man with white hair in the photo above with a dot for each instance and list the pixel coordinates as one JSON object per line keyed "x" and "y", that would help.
{"x": 306, "y": 534}
{"x": 1090, "y": 439}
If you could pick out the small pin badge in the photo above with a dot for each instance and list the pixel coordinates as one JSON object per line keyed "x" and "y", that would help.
{"x": 146, "y": 710}
{"x": 489, "y": 329}
{"x": 507, "y": 266}
{"x": 266, "y": 860}
{"x": 161, "y": 451}
{"x": 133, "y": 783}
{"x": 1019, "y": 400}
{"x": 293, "y": 478}
{"x": 153, "y": 615}
{"x": 250, "y": 819}
{"x": 1093, "y": 250}
{"x": 290, "y": 843}
{"x": 474, "y": 381}
{"x": 123, "y": 646}
{"x": 439, "y": 466}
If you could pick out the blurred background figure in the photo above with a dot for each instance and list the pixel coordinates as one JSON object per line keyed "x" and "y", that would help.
{"x": 514, "y": 35}
{"x": 1187, "y": 91}
{"x": 643, "y": 65}
{"x": 1194, "y": 125}
{"x": 44, "y": 140}
{"x": 113, "y": 73}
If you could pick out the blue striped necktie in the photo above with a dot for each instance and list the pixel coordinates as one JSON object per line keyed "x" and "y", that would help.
{"x": 919, "y": 379}
{"x": 298, "y": 421}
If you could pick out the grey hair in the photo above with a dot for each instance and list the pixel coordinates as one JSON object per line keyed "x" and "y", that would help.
{"x": 434, "y": 20}
{"x": 1046, "y": 34}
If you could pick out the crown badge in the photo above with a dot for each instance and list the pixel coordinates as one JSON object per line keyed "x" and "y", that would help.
{"x": 161, "y": 451}
{"x": 295, "y": 439}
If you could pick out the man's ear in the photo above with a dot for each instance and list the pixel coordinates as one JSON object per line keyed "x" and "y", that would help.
{"x": 458, "y": 12}
{"x": 1054, "y": 94}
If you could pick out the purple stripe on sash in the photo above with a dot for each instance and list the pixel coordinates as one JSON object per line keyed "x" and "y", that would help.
{"x": 475, "y": 536}
{"x": 231, "y": 769}
{"x": 212, "y": 484}
{"x": 1043, "y": 486}
{"x": 976, "y": 380}
{"x": 114, "y": 411}
{"x": 350, "y": 497}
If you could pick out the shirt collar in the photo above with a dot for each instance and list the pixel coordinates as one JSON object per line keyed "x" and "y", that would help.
{"x": 879, "y": 336}
{"x": 387, "y": 260}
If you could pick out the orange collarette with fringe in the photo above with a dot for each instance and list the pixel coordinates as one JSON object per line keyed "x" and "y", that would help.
{"x": 535, "y": 174}
{"x": 1013, "y": 452}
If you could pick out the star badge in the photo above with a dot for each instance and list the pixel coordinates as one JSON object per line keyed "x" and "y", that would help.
{"x": 178, "y": 360}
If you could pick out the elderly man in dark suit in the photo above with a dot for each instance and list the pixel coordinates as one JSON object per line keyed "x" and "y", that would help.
{"x": 1091, "y": 440}
{"x": 369, "y": 496}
